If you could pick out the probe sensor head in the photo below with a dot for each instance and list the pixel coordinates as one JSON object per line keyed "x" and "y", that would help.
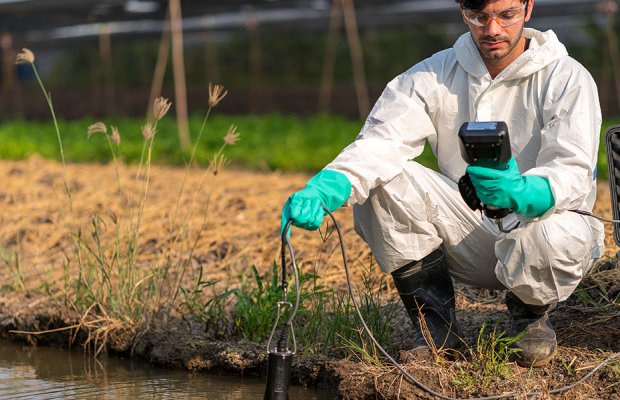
{"x": 485, "y": 144}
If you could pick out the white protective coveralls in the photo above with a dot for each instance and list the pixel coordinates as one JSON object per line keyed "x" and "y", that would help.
{"x": 404, "y": 211}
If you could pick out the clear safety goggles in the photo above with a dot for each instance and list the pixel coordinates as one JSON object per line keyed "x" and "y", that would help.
{"x": 503, "y": 18}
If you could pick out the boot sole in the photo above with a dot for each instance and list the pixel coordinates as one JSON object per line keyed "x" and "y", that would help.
{"x": 537, "y": 363}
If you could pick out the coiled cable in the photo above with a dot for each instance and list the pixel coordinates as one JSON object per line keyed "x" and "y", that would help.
{"x": 283, "y": 336}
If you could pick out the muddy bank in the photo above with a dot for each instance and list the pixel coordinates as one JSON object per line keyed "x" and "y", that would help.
{"x": 586, "y": 336}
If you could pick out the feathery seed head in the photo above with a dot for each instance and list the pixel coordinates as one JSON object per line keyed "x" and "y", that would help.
{"x": 116, "y": 136}
{"x": 232, "y": 136}
{"x": 97, "y": 127}
{"x": 25, "y": 57}
{"x": 217, "y": 163}
{"x": 148, "y": 131}
{"x": 216, "y": 94}
{"x": 161, "y": 107}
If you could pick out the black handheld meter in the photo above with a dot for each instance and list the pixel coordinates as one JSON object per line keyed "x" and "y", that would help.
{"x": 484, "y": 144}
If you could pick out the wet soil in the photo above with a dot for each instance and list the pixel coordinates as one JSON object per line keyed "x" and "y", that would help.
{"x": 242, "y": 230}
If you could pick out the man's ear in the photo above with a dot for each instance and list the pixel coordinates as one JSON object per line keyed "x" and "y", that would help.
{"x": 463, "y": 16}
{"x": 528, "y": 10}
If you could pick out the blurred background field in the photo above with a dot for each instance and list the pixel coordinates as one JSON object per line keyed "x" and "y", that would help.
{"x": 99, "y": 58}
{"x": 270, "y": 142}
{"x": 301, "y": 74}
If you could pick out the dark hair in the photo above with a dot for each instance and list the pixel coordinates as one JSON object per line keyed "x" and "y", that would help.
{"x": 473, "y": 4}
{"x": 479, "y": 4}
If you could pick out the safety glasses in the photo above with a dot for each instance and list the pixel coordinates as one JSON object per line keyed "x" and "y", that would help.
{"x": 503, "y": 18}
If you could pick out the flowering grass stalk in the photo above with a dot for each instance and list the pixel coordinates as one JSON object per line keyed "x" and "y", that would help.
{"x": 26, "y": 56}
{"x": 113, "y": 281}
{"x": 216, "y": 94}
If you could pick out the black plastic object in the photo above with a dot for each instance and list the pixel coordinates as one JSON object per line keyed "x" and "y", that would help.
{"x": 484, "y": 144}
{"x": 468, "y": 193}
{"x": 278, "y": 375}
{"x": 612, "y": 148}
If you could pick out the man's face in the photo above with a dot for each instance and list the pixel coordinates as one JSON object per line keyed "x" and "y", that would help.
{"x": 497, "y": 43}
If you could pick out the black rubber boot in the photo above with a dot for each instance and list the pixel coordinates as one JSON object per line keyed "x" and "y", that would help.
{"x": 426, "y": 289}
{"x": 538, "y": 343}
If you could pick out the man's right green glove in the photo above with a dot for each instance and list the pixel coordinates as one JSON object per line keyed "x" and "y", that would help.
{"x": 327, "y": 188}
{"x": 530, "y": 195}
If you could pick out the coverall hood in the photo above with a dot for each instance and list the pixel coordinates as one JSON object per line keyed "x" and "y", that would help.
{"x": 544, "y": 49}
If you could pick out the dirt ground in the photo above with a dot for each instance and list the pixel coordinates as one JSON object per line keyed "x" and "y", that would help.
{"x": 241, "y": 229}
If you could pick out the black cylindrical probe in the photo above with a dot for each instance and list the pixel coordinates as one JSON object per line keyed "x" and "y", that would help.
{"x": 278, "y": 375}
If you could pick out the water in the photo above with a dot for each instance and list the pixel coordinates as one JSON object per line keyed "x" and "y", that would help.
{"x": 48, "y": 373}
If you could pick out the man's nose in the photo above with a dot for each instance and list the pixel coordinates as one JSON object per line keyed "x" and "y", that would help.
{"x": 492, "y": 27}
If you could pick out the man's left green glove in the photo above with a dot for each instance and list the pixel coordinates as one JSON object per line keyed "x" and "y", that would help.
{"x": 530, "y": 196}
{"x": 327, "y": 188}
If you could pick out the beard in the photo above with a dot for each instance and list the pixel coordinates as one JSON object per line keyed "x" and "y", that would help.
{"x": 496, "y": 48}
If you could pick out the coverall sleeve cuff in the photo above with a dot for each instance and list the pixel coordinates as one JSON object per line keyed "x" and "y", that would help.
{"x": 356, "y": 197}
{"x": 546, "y": 215}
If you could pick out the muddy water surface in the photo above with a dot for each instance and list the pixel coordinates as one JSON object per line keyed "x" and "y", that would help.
{"x": 48, "y": 373}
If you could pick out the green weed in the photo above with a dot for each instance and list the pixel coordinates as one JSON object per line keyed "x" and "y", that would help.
{"x": 366, "y": 351}
{"x": 378, "y": 316}
{"x": 207, "y": 307}
{"x": 325, "y": 322}
{"x": 583, "y": 295}
{"x": 488, "y": 360}
{"x": 255, "y": 309}
{"x": 614, "y": 371}
{"x": 12, "y": 260}
{"x": 569, "y": 366}
{"x": 331, "y": 324}
{"x": 465, "y": 379}
{"x": 266, "y": 145}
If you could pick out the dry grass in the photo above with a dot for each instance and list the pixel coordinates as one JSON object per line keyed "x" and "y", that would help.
{"x": 242, "y": 225}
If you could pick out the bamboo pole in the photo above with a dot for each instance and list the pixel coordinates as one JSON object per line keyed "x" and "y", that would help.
{"x": 8, "y": 62}
{"x": 178, "y": 70}
{"x": 327, "y": 78}
{"x": 95, "y": 89}
{"x": 255, "y": 64}
{"x": 9, "y": 88}
{"x": 105, "y": 54}
{"x": 211, "y": 59}
{"x": 355, "y": 46}
{"x": 163, "y": 54}
{"x": 610, "y": 9}
{"x": 606, "y": 77}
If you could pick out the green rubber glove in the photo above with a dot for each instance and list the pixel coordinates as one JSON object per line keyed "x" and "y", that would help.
{"x": 529, "y": 196}
{"x": 327, "y": 188}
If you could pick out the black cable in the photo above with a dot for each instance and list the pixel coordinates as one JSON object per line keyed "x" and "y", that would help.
{"x": 295, "y": 273}
{"x": 416, "y": 382}
{"x": 589, "y": 214}
{"x": 580, "y": 212}
{"x": 283, "y": 337}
